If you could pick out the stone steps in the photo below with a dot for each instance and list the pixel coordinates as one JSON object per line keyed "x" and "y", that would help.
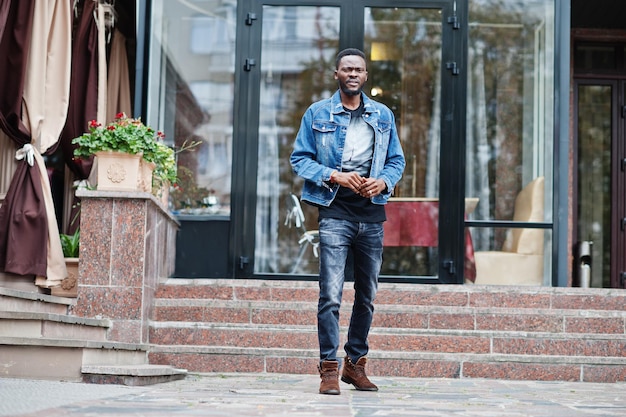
{"x": 39, "y": 340}
{"x": 396, "y": 316}
{"x": 16, "y": 300}
{"x": 388, "y": 339}
{"x": 418, "y": 330}
{"x": 51, "y": 325}
{"x": 62, "y": 359}
{"x": 398, "y": 363}
{"x": 132, "y": 375}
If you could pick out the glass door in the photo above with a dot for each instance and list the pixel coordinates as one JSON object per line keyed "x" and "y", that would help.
{"x": 601, "y": 196}
{"x": 414, "y": 59}
{"x": 297, "y": 52}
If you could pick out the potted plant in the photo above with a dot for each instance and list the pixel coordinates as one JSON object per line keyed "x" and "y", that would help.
{"x": 163, "y": 158}
{"x": 119, "y": 147}
{"x": 70, "y": 245}
{"x": 166, "y": 170}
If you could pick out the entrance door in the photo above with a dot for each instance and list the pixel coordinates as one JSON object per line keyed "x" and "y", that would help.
{"x": 415, "y": 59}
{"x": 601, "y": 188}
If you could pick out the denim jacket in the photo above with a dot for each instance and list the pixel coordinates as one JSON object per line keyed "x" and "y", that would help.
{"x": 320, "y": 143}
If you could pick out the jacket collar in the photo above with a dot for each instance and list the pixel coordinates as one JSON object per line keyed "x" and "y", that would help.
{"x": 337, "y": 107}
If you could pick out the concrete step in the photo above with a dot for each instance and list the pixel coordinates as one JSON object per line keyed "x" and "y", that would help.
{"x": 16, "y": 300}
{"x": 38, "y": 340}
{"x": 82, "y": 361}
{"x": 523, "y": 297}
{"x": 418, "y": 330}
{"x": 390, "y": 339}
{"x": 395, "y": 316}
{"x": 62, "y": 359}
{"x": 132, "y": 375}
{"x": 398, "y": 363}
{"x": 50, "y": 325}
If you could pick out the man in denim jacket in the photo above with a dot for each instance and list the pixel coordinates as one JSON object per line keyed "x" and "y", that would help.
{"x": 349, "y": 154}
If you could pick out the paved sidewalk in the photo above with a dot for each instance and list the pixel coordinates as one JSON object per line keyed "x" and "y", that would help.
{"x": 244, "y": 395}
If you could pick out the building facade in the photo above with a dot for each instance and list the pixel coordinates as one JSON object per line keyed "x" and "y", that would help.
{"x": 510, "y": 113}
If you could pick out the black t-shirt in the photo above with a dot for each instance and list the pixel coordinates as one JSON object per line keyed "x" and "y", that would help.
{"x": 348, "y": 205}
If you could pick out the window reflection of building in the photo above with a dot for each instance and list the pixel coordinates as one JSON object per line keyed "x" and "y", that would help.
{"x": 510, "y": 108}
{"x": 191, "y": 91}
{"x": 298, "y": 50}
{"x": 509, "y": 119}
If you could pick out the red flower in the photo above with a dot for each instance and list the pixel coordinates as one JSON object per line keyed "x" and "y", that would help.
{"x": 110, "y": 127}
{"x": 94, "y": 123}
{"x": 161, "y": 134}
{"x": 120, "y": 115}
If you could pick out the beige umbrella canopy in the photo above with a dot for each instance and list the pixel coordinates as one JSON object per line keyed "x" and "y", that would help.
{"x": 53, "y": 85}
{"x": 44, "y": 110}
{"x": 37, "y": 35}
{"x": 23, "y": 223}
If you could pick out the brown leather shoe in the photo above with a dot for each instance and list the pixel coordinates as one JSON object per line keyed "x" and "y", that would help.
{"x": 329, "y": 372}
{"x": 354, "y": 373}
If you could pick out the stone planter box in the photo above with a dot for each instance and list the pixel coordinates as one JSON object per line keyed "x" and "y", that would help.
{"x": 118, "y": 171}
{"x": 145, "y": 175}
{"x": 69, "y": 286}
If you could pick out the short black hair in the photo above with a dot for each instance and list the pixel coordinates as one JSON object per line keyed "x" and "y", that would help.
{"x": 346, "y": 52}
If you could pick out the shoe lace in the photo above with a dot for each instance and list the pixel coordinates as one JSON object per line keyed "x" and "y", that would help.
{"x": 359, "y": 370}
{"x": 329, "y": 375}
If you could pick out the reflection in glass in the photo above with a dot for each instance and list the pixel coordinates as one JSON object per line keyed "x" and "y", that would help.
{"x": 404, "y": 73}
{"x": 190, "y": 97}
{"x": 404, "y": 67}
{"x": 594, "y": 177}
{"x": 595, "y": 57}
{"x": 404, "y": 63}
{"x": 510, "y": 108}
{"x": 299, "y": 45}
{"x": 521, "y": 260}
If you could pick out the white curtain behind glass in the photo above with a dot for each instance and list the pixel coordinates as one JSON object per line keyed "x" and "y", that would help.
{"x": 267, "y": 208}
{"x": 434, "y": 141}
{"x": 477, "y": 146}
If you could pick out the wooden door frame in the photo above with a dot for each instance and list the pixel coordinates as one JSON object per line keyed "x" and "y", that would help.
{"x": 618, "y": 151}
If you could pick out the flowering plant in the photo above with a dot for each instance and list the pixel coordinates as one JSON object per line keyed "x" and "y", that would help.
{"x": 129, "y": 135}
{"x": 164, "y": 159}
{"x": 124, "y": 134}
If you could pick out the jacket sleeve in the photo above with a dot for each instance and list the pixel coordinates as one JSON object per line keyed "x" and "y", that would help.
{"x": 304, "y": 160}
{"x": 394, "y": 160}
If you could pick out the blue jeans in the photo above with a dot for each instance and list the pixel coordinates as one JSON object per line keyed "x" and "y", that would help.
{"x": 337, "y": 238}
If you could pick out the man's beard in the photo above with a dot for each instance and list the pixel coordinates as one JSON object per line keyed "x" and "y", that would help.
{"x": 349, "y": 92}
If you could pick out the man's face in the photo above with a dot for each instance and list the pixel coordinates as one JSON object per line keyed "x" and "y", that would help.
{"x": 351, "y": 74}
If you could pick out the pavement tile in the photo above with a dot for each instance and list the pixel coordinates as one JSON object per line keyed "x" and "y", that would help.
{"x": 269, "y": 395}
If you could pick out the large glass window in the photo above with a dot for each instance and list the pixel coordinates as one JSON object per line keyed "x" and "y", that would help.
{"x": 299, "y": 45}
{"x": 405, "y": 70}
{"x": 191, "y": 95}
{"x": 510, "y": 122}
{"x": 403, "y": 47}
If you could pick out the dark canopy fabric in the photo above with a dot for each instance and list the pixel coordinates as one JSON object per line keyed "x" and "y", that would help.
{"x": 83, "y": 104}
{"x": 4, "y": 12}
{"x": 14, "y": 48}
{"x": 23, "y": 221}
{"x": 23, "y": 225}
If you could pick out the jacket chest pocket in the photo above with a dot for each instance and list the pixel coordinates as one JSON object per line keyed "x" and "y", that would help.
{"x": 324, "y": 133}
{"x": 384, "y": 127}
{"x": 384, "y": 131}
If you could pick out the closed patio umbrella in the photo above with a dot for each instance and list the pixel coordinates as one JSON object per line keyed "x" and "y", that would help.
{"x": 23, "y": 224}
{"x": 33, "y": 108}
